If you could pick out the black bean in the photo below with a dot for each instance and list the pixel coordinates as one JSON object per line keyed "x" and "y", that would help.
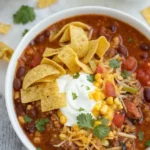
{"x": 17, "y": 84}
{"x": 113, "y": 28}
{"x": 47, "y": 33}
{"x": 33, "y": 113}
{"x": 146, "y": 93}
{"x": 144, "y": 46}
{"x": 144, "y": 55}
{"x": 40, "y": 39}
{"x": 123, "y": 50}
{"x": 20, "y": 72}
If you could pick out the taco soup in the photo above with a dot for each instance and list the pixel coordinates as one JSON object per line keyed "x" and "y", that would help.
{"x": 84, "y": 84}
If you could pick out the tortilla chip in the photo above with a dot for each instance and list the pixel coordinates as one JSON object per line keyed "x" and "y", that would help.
{"x": 51, "y": 51}
{"x": 45, "y": 3}
{"x": 79, "y": 41}
{"x": 54, "y": 64}
{"x": 69, "y": 58}
{"x": 84, "y": 26}
{"x": 57, "y": 60}
{"x": 53, "y": 102}
{"x": 103, "y": 46}
{"x": 5, "y": 52}
{"x": 4, "y": 28}
{"x": 39, "y": 91}
{"x": 146, "y": 14}
{"x": 47, "y": 79}
{"x": 66, "y": 36}
{"x": 38, "y": 73}
{"x": 92, "y": 65}
{"x": 93, "y": 45}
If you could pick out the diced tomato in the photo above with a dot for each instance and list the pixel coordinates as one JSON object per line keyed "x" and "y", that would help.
{"x": 110, "y": 89}
{"x": 36, "y": 60}
{"x": 129, "y": 64}
{"x": 99, "y": 69}
{"x": 118, "y": 119}
{"x": 132, "y": 110}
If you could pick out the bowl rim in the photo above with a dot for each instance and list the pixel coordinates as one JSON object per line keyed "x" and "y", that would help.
{"x": 39, "y": 27}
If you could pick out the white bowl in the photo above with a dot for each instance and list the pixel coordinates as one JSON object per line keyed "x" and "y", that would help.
{"x": 35, "y": 31}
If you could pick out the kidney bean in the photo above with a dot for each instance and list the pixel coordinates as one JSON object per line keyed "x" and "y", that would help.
{"x": 123, "y": 50}
{"x": 146, "y": 93}
{"x": 144, "y": 55}
{"x": 144, "y": 46}
{"x": 40, "y": 39}
{"x": 17, "y": 84}
{"x": 47, "y": 33}
{"x": 36, "y": 60}
{"x": 113, "y": 28}
{"x": 30, "y": 127}
{"x": 33, "y": 113}
{"x": 20, "y": 72}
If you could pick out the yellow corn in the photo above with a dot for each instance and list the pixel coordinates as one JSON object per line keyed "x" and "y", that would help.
{"x": 116, "y": 101}
{"x": 95, "y": 113}
{"x": 63, "y": 119}
{"x": 104, "y": 109}
{"x": 21, "y": 119}
{"x": 96, "y": 96}
{"x": 105, "y": 142}
{"x": 90, "y": 95}
{"x": 114, "y": 106}
{"x": 109, "y": 101}
{"x": 103, "y": 95}
{"x": 110, "y": 113}
{"x": 62, "y": 136}
{"x": 59, "y": 113}
{"x": 98, "y": 77}
{"x": 97, "y": 123}
{"x": 96, "y": 84}
{"x": 120, "y": 107}
{"x": 75, "y": 127}
{"x": 97, "y": 106}
{"x": 110, "y": 134}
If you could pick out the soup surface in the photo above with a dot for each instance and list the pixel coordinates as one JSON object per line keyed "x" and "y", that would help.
{"x": 83, "y": 83}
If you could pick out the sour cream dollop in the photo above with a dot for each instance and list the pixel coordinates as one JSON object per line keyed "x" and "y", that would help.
{"x": 79, "y": 87}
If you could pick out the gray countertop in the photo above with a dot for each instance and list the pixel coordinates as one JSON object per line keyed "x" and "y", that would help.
{"x": 8, "y": 138}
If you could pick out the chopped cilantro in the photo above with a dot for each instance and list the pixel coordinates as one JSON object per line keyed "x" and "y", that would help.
{"x": 24, "y": 15}
{"x": 114, "y": 63}
{"x": 41, "y": 124}
{"x": 101, "y": 131}
{"x": 27, "y": 118}
{"x": 125, "y": 74}
{"x": 90, "y": 78}
{"x": 103, "y": 120}
{"x": 130, "y": 39}
{"x": 77, "y": 75}
{"x": 38, "y": 148}
{"x": 81, "y": 85}
{"x": 85, "y": 121}
{"x": 25, "y": 32}
{"x": 81, "y": 109}
{"x": 147, "y": 144}
{"x": 87, "y": 87}
{"x": 141, "y": 135}
{"x": 74, "y": 95}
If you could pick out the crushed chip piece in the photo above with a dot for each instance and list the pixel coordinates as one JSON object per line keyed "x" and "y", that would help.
{"x": 66, "y": 36}
{"x": 57, "y": 60}
{"x": 4, "y": 28}
{"x": 47, "y": 79}
{"x": 54, "y": 64}
{"x": 146, "y": 14}
{"x": 5, "y": 52}
{"x": 45, "y": 3}
{"x": 92, "y": 65}
{"x": 69, "y": 58}
{"x": 37, "y": 92}
{"x": 51, "y": 51}
{"x": 38, "y": 73}
{"x": 53, "y": 102}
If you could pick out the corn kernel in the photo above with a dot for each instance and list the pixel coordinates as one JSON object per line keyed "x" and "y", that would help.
{"x": 114, "y": 106}
{"x": 37, "y": 134}
{"x": 21, "y": 119}
{"x": 95, "y": 113}
{"x": 63, "y": 119}
{"x": 97, "y": 123}
{"x": 97, "y": 106}
{"x": 59, "y": 113}
{"x": 109, "y": 100}
{"x": 96, "y": 84}
{"x": 103, "y": 96}
{"x": 97, "y": 77}
{"x": 29, "y": 107}
{"x": 16, "y": 95}
{"x": 96, "y": 96}
{"x": 103, "y": 102}
{"x": 75, "y": 127}
{"x": 116, "y": 101}
{"x": 104, "y": 109}
{"x": 90, "y": 95}
{"x": 62, "y": 136}
{"x": 120, "y": 107}
{"x": 110, "y": 134}
{"x": 105, "y": 142}
{"x": 97, "y": 90}
{"x": 37, "y": 140}
{"x": 110, "y": 113}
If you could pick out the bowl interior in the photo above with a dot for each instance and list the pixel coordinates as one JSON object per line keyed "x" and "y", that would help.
{"x": 35, "y": 31}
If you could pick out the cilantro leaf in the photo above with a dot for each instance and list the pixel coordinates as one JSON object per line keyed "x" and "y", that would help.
{"x": 147, "y": 143}
{"x": 125, "y": 74}
{"x": 81, "y": 109}
{"x": 103, "y": 120}
{"x": 25, "y": 32}
{"x": 74, "y": 95}
{"x": 27, "y": 118}
{"x": 85, "y": 121}
{"x": 101, "y": 131}
{"x": 77, "y": 75}
{"x": 24, "y": 15}
{"x": 38, "y": 148}
{"x": 41, "y": 124}
{"x": 141, "y": 135}
{"x": 130, "y": 39}
{"x": 90, "y": 78}
{"x": 87, "y": 87}
{"x": 114, "y": 63}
